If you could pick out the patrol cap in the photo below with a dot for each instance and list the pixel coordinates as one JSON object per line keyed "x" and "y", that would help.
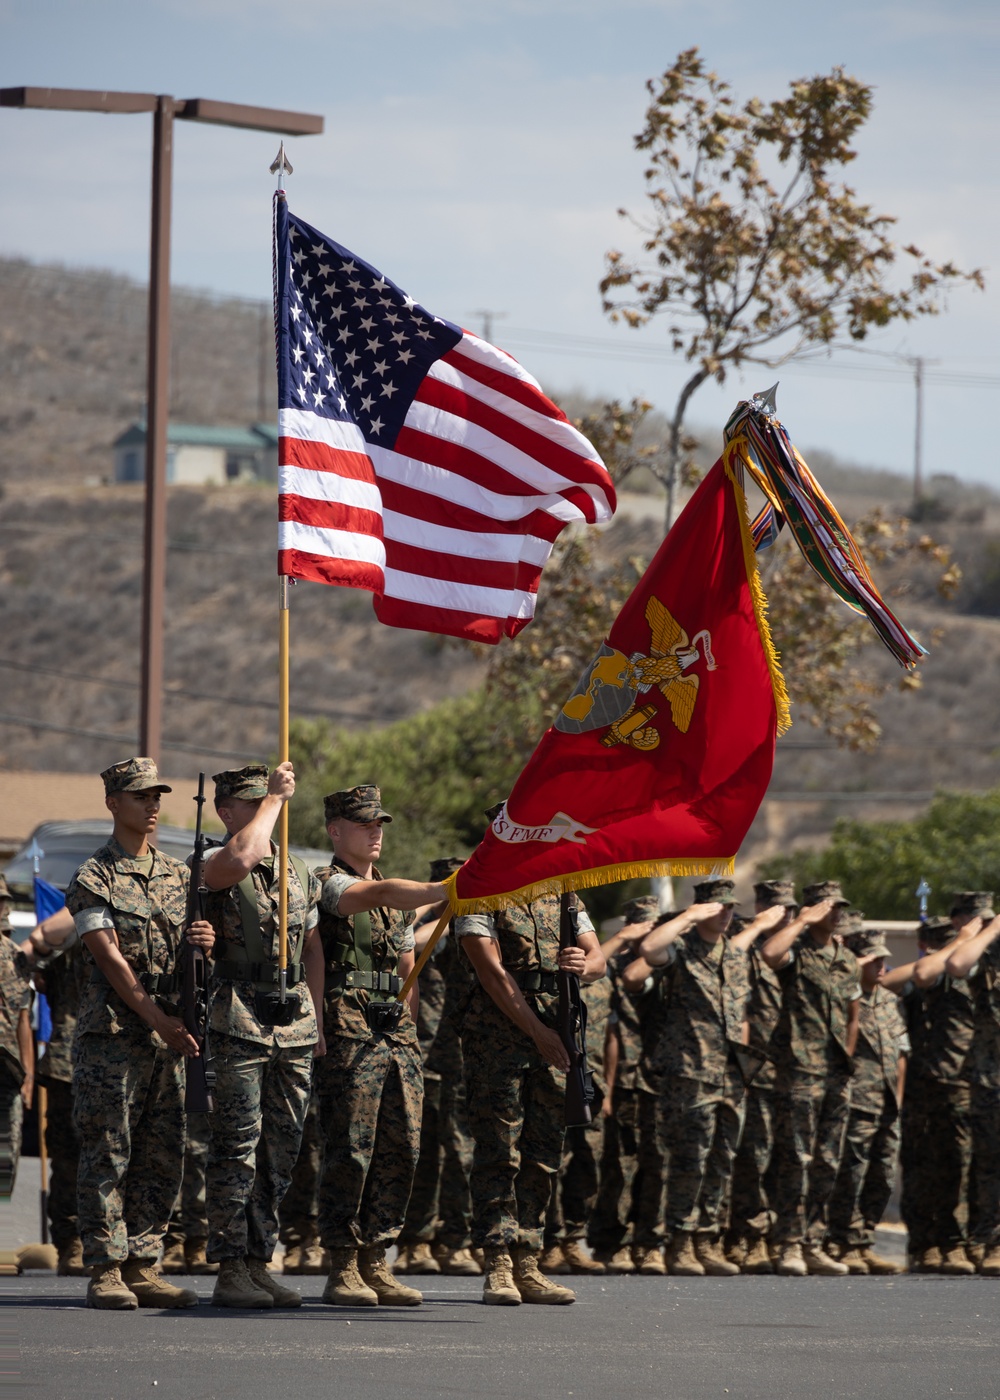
{"x": 769, "y": 893}
{"x": 852, "y": 924}
{"x": 936, "y": 932}
{"x": 867, "y": 943}
{"x": 247, "y": 783}
{"x": 637, "y": 911}
{"x": 972, "y": 902}
{"x": 445, "y": 866}
{"x": 493, "y": 812}
{"x": 356, "y": 804}
{"x": 133, "y": 775}
{"x": 715, "y": 892}
{"x": 824, "y": 889}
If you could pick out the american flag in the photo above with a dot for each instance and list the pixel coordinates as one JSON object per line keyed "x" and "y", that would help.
{"x": 415, "y": 459}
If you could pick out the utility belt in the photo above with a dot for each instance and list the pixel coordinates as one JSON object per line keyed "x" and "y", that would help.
{"x": 154, "y": 984}
{"x": 264, "y": 975}
{"x": 544, "y": 983}
{"x": 340, "y": 977}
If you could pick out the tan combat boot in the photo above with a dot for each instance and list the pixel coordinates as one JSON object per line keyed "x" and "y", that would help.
{"x": 579, "y": 1261}
{"x": 498, "y": 1284}
{"x": 790, "y": 1261}
{"x": 379, "y": 1277}
{"x": 532, "y": 1284}
{"x": 291, "y": 1260}
{"x": 315, "y": 1259}
{"x": 877, "y": 1264}
{"x": 195, "y": 1258}
{"x": 71, "y": 1263}
{"x": 456, "y": 1261}
{"x": 422, "y": 1260}
{"x": 854, "y": 1259}
{"x": 621, "y": 1262}
{"x": 553, "y": 1261}
{"x": 648, "y": 1259}
{"x": 173, "y": 1258}
{"x": 234, "y": 1288}
{"x": 737, "y": 1251}
{"x": 107, "y": 1289}
{"x": 990, "y": 1264}
{"x": 281, "y": 1297}
{"x": 682, "y": 1261}
{"x": 710, "y": 1256}
{"x": 927, "y": 1261}
{"x": 758, "y": 1259}
{"x": 345, "y": 1287}
{"x": 819, "y": 1262}
{"x": 153, "y": 1290}
{"x": 956, "y": 1261}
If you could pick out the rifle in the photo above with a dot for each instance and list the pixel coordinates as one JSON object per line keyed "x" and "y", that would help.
{"x": 194, "y": 981}
{"x": 572, "y": 1027}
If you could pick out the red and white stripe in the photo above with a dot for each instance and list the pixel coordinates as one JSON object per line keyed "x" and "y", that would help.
{"x": 452, "y": 528}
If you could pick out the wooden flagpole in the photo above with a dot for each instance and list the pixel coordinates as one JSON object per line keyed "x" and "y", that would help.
{"x": 283, "y": 706}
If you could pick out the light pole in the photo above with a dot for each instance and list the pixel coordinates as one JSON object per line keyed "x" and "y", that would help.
{"x": 165, "y": 110}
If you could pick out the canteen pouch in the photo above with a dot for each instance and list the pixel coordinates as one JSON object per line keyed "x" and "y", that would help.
{"x": 270, "y": 1010}
{"x": 384, "y": 1016}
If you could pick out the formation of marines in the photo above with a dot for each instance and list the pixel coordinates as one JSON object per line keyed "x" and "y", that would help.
{"x": 750, "y": 1070}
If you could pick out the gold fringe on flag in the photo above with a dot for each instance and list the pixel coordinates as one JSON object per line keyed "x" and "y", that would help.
{"x": 588, "y": 879}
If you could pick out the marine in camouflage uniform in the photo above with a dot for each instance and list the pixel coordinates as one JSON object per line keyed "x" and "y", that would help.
{"x": 871, "y": 1144}
{"x": 128, "y": 901}
{"x": 700, "y": 1113}
{"x": 61, "y": 977}
{"x": 812, "y": 1045}
{"x": 516, "y": 1096}
{"x": 936, "y": 1153}
{"x": 186, "y": 1239}
{"x": 978, "y": 960}
{"x": 370, "y": 1081}
{"x": 16, "y": 1048}
{"x": 262, "y": 1054}
{"x": 298, "y": 1215}
{"x": 751, "y": 1215}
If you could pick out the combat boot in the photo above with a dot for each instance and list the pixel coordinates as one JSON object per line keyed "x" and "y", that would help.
{"x": 682, "y": 1261}
{"x": 927, "y": 1261}
{"x": 819, "y": 1262}
{"x": 345, "y": 1287}
{"x": 234, "y": 1288}
{"x": 553, "y": 1261}
{"x": 956, "y": 1261}
{"x": 153, "y": 1290}
{"x": 579, "y": 1261}
{"x": 758, "y": 1258}
{"x": 736, "y": 1252}
{"x": 195, "y": 1258}
{"x": 315, "y": 1259}
{"x": 401, "y": 1263}
{"x": 173, "y": 1258}
{"x": 498, "y": 1284}
{"x": 71, "y": 1263}
{"x": 532, "y": 1284}
{"x": 710, "y": 1256}
{"x": 291, "y": 1260}
{"x": 790, "y": 1261}
{"x": 456, "y": 1261}
{"x": 648, "y": 1259}
{"x": 622, "y": 1262}
{"x": 879, "y": 1265}
{"x": 856, "y": 1261}
{"x": 108, "y": 1290}
{"x": 990, "y": 1266}
{"x": 422, "y": 1260}
{"x": 976, "y": 1252}
{"x": 379, "y": 1277}
{"x": 281, "y": 1297}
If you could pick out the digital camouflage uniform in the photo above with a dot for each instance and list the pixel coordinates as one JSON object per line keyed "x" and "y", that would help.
{"x": 516, "y": 1100}
{"x": 871, "y": 1144}
{"x": 813, "y": 1082}
{"x": 128, "y": 1087}
{"x": 649, "y": 1189}
{"x": 575, "y": 1188}
{"x": 370, "y": 1084}
{"x": 298, "y": 1214}
{"x": 62, "y": 977}
{"x": 189, "y": 1217}
{"x": 936, "y": 1151}
{"x": 15, "y": 997}
{"x": 700, "y": 1112}
{"x": 984, "y": 1071}
{"x": 263, "y": 1073}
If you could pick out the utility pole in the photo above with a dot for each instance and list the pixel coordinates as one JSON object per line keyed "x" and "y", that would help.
{"x": 488, "y": 317}
{"x": 165, "y": 110}
{"x": 918, "y": 434}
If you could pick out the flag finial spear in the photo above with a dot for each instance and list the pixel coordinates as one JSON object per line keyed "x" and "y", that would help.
{"x": 766, "y": 401}
{"x": 281, "y": 166}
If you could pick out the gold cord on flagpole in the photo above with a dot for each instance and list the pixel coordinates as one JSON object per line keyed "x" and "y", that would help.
{"x": 283, "y": 758}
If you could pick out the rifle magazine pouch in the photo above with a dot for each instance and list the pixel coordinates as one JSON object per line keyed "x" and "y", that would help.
{"x": 270, "y": 1010}
{"x": 384, "y": 1016}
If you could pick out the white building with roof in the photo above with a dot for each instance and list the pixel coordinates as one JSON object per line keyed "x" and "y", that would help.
{"x": 198, "y": 455}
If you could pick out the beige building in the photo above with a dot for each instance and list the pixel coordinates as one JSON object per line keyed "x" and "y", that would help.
{"x": 200, "y": 456}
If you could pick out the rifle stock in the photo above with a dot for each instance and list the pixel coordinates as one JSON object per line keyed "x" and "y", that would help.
{"x": 573, "y": 1028}
{"x": 194, "y": 981}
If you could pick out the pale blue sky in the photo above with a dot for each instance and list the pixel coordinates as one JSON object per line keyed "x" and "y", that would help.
{"x": 477, "y": 153}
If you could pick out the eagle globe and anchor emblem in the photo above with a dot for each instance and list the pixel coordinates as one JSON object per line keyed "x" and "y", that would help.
{"x": 609, "y": 693}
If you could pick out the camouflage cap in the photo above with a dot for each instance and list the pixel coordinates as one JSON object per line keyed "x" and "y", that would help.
{"x": 356, "y": 804}
{"x": 969, "y": 903}
{"x": 852, "y": 924}
{"x": 247, "y": 783}
{"x": 824, "y": 889}
{"x": 868, "y": 943}
{"x": 133, "y": 775}
{"x": 637, "y": 911}
{"x": 493, "y": 812}
{"x": 445, "y": 866}
{"x": 715, "y": 892}
{"x": 936, "y": 932}
{"x": 769, "y": 893}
